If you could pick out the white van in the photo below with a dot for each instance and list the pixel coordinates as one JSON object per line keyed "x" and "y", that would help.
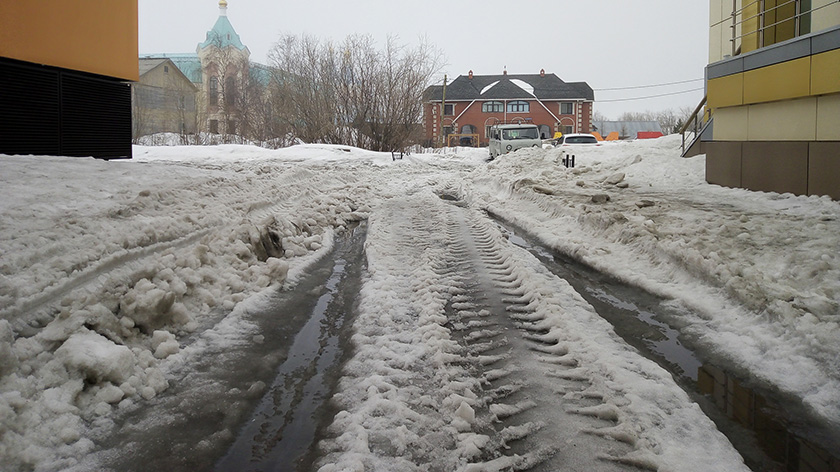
{"x": 509, "y": 138}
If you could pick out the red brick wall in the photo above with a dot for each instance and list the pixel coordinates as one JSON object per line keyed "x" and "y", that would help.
{"x": 581, "y": 119}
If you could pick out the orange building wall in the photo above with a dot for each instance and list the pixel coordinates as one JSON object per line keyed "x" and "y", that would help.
{"x": 96, "y": 36}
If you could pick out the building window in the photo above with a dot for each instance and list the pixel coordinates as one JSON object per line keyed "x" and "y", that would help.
{"x": 448, "y": 109}
{"x": 568, "y": 129}
{"x": 567, "y": 108}
{"x": 766, "y": 23}
{"x": 518, "y": 106}
{"x": 492, "y": 107}
{"x": 230, "y": 91}
{"x": 231, "y": 127}
{"x": 165, "y": 69}
{"x": 214, "y": 126}
{"x": 213, "y": 95}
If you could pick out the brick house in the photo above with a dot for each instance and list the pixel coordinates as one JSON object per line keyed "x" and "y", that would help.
{"x": 474, "y": 103}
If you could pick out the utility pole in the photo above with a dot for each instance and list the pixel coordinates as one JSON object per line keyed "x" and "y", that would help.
{"x": 442, "y": 108}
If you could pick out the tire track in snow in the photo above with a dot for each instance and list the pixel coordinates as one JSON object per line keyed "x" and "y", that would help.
{"x": 539, "y": 408}
{"x": 122, "y": 267}
{"x": 471, "y": 356}
{"x": 114, "y": 267}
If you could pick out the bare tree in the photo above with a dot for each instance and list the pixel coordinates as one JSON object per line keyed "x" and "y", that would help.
{"x": 140, "y": 114}
{"x": 180, "y": 106}
{"x": 598, "y": 117}
{"x": 352, "y": 93}
{"x": 669, "y": 120}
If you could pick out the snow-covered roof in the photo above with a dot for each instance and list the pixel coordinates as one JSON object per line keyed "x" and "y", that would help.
{"x": 488, "y": 87}
{"x": 528, "y": 88}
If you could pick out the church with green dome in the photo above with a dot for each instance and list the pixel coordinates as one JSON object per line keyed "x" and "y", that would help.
{"x": 207, "y": 93}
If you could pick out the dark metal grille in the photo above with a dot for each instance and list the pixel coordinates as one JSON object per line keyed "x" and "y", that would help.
{"x": 46, "y": 110}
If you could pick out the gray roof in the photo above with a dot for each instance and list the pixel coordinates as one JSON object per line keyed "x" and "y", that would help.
{"x": 189, "y": 64}
{"x": 511, "y": 87}
{"x": 625, "y": 128}
{"x": 147, "y": 64}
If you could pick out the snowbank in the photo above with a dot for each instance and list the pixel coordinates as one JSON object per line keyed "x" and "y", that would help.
{"x": 758, "y": 273}
{"x": 108, "y": 270}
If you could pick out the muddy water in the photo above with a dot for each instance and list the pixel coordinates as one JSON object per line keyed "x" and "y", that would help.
{"x": 772, "y": 433}
{"x": 253, "y": 401}
{"x": 283, "y": 430}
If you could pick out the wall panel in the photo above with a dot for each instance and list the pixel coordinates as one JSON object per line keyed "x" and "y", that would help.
{"x": 96, "y": 36}
{"x": 790, "y": 120}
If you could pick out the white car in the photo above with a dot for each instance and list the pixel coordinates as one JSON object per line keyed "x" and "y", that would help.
{"x": 577, "y": 138}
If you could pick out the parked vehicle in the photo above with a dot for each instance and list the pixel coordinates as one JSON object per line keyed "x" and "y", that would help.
{"x": 509, "y": 138}
{"x": 576, "y": 138}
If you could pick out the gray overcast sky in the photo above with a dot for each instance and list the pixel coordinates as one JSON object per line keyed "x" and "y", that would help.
{"x": 606, "y": 43}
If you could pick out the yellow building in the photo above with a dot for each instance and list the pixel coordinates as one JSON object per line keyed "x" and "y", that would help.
{"x": 64, "y": 70}
{"x": 773, "y": 94}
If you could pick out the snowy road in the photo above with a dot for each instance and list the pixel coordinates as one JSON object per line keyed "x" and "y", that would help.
{"x": 139, "y": 318}
{"x": 512, "y": 369}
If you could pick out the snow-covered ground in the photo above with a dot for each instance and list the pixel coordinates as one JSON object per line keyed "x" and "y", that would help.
{"x": 106, "y": 268}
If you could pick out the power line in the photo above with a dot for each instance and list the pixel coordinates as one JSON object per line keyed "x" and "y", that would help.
{"x": 648, "y": 86}
{"x": 649, "y": 96}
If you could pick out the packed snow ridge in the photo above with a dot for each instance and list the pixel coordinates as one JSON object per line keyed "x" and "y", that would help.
{"x": 111, "y": 272}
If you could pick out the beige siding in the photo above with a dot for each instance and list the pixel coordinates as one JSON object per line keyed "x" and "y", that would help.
{"x": 828, "y": 112}
{"x": 731, "y": 124}
{"x": 718, "y": 41}
{"x": 805, "y": 119}
{"x": 825, "y": 17}
{"x": 718, "y": 32}
{"x": 792, "y": 120}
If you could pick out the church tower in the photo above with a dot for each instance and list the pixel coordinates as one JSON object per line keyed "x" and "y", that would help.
{"x": 224, "y": 68}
